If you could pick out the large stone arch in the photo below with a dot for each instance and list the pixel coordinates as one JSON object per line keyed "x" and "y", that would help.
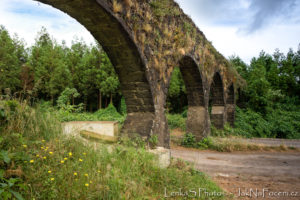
{"x": 217, "y": 101}
{"x": 230, "y": 105}
{"x": 145, "y": 40}
{"x": 197, "y": 113}
{"x": 124, "y": 54}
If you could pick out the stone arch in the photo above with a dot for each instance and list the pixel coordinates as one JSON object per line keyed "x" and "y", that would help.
{"x": 196, "y": 117}
{"x": 125, "y": 56}
{"x": 217, "y": 101}
{"x": 230, "y": 105}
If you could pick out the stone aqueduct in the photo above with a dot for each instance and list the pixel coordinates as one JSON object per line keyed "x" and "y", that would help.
{"x": 145, "y": 40}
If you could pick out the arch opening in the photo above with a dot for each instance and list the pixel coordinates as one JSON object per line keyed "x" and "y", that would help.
{"x": 196, "y": 112}
{"x": 126, "y": 58}
{"x": 216, "y": 102}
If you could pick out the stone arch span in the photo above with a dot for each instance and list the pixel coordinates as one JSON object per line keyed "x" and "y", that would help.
{"x": 196, "y": 117}
{"x": 125, "y": 56}
{"x": 217, "y": 101}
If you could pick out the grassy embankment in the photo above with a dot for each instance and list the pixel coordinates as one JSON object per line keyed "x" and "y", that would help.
{"x": 38, "y": 162}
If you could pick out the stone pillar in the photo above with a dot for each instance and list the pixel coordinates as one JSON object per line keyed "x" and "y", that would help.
{"x": 230, "y": 114}
{"x": 217, "y": 116}
{"x": 138, "y": 123}
{"x": 196, "y": 120}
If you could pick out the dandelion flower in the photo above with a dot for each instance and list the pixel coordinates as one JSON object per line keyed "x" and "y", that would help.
{"x": 24, "y": 145}
{"x": 44, "y": 157}
{"x": 91, "y": 181}
{"x": 37, "y": 155}
{"x": 42, "y": 147}
{"x": 50, "y": 152}
{"x": 70, "y": 154}
{"x": 62, "y": 161}
{"x": 65, "y": 158}
{"x": 86, "y": 175}
{"x": 31, "y": 161}
{"x": 52, "y": 179}
{"x": 86, "y": 185}
{"x": 80, "y": 160}
{"x": 99, "y": 171}
{"x": 49, "y": 171}
{"x": 43, "y": 141}
{"x": 84, "y": 153}
{"x": 75, "y": 174}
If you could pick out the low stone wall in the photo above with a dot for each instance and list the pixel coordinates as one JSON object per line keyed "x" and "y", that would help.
{"x": 107, "y": 128}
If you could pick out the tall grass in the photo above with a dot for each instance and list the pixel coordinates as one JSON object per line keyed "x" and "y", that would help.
{"x": 49, "y": 165}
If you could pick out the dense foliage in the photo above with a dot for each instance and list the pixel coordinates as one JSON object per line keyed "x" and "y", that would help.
{"x": 270, "y": 102}
{"x": 47, "y": 68}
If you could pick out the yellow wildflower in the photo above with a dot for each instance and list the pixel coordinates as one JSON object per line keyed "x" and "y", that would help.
{"x": 80, "y": 160}
{"x": 75, "y": 173}
{"x": 44, "y": 157}
{"x": 49, "y": 171}
{"x": 91, "y": 181}
{"x": 50, "y": 152}
{"x": 43, "y": 141}
{"x": 37, "y": 155}
{"x": 24, "y": 145}
{"x": 99, "y": 171}
{"x": 86, "y": 175}
{"x": 62, "y": 161}
{"x": 52, "y": 179}
{"x": 86, "y": 185}
{"x": 84, "y": 153}
{"x": 70, "y": 154}
{"x": 31, "y": 161}
{"x": 65, "y": 158}
{"x": 42, "y": 147}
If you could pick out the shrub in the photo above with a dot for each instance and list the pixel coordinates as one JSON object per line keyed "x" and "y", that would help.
{"x": 205, "y": 143}
{"x": 188, "y": 140}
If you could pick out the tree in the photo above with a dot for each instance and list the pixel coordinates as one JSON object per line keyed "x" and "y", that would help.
{"x": 12, "y": 57}
{"x": 48, "y": 61}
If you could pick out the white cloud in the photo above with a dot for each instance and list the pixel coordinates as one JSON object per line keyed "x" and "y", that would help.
{"x": 27, "y": 21}
{"x": 224, "y": 29}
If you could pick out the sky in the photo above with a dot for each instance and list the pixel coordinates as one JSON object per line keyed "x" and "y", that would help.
{"x": 235, "y": 27}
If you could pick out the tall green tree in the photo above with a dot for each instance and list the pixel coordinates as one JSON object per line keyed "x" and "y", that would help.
{"x": 12, "y": 57}
{"x": 48, "y": 62}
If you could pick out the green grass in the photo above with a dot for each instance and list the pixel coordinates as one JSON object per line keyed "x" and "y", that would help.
{"x": 44, "y": 164}
{"x": 176, "y": 121}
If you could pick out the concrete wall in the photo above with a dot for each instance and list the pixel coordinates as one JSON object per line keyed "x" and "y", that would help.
{"x": 107, "y": 128}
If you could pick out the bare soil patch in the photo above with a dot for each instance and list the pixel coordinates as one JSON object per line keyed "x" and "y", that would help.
{"x": 241, "y": 172}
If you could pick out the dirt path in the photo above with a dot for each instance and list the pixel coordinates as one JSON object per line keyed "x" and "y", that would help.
{"x": 241, "y": 172}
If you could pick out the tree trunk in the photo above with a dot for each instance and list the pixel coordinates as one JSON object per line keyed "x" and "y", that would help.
{"x": 111, "y": 98}
{"x": 100, "y": 100}
{"x": 73, "y": 100}
{"x": 85, "y": 103}
{"x": 52, "y": 100}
